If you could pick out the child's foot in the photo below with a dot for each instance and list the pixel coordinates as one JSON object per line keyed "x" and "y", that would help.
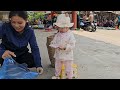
{"x": 55, "y": 77}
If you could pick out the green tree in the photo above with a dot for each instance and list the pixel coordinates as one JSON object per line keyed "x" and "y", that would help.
{"x": 35, "y": 15}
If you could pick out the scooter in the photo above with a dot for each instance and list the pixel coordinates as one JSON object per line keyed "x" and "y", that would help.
{"x": 91, "y": 27}
{"x": 88, "y": 26}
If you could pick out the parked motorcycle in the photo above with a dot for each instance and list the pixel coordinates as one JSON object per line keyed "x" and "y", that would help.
{"x": 88, "y": 26}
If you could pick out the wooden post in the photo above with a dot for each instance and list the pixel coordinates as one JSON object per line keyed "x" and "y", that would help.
{"x": 52, "y": 12}
{"x": 74, "y": 19}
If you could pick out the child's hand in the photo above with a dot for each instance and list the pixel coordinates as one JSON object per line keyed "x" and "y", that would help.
{"x": 61, "y": 48}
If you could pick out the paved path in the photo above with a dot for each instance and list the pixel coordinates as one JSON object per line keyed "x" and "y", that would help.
{"x": 108, "y": 36}
{"x": 99, "y": 54}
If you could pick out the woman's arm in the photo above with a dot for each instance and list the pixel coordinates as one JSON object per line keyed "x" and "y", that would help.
{"x": 35, "y": 50}
{"x": 2, "y": 50}
{"x": 1, "y": 31}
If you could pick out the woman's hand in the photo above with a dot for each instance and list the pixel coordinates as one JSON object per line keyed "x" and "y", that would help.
{"x": 40, "y": 70}
{"x": 8, "y": 53}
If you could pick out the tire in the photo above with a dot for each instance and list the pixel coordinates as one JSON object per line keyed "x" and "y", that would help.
{"x": 94, "y": 29}
{"x": 90, "y": 28}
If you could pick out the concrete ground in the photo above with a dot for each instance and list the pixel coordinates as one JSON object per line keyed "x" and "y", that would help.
{"x": 96, "y": 54}
{"x": 99, "y": 53}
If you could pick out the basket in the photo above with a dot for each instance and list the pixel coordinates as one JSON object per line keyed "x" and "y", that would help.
{"x": 51, "y": 50}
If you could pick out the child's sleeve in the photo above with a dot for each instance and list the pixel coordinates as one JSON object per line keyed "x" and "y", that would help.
{"x": 53, "y": 43}
{"x": 71, "y": 43}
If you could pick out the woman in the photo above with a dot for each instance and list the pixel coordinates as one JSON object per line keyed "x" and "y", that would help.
{"x": 16, "y": 34}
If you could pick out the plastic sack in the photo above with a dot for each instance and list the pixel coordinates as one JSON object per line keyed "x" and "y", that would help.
{"x": 12, "y": 70}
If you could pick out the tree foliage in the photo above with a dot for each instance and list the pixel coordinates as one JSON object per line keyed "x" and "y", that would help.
{"x": 35, "y": 15}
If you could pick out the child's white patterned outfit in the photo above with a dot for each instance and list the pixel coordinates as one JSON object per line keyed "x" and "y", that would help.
{"x": 66, "y": 40}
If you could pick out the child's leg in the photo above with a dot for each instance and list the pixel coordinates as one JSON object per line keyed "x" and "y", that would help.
{"x": 58, "y": 66}
{"x": 69, "y": 69}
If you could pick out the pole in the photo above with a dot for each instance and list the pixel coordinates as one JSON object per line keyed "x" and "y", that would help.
{"x": 74, "y": 19}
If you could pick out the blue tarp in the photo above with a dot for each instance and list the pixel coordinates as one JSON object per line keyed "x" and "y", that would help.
{"x": 12, "y": 70}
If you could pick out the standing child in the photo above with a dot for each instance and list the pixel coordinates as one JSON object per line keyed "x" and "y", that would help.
{"x": 63, "y": 42}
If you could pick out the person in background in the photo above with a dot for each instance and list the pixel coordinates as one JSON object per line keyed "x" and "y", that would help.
{"x": 54, "y": 18}
{"x": 84, "y": 17}
{"x": 117, "y": 21}
{"x": 91, "y": 17}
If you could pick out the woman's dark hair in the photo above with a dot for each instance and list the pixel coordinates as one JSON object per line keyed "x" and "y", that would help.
{"x": 22, "y": 14}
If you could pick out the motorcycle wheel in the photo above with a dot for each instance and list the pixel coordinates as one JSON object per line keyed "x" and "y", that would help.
{"x": 90, "y": 28}
{"x": 94, "y": 28}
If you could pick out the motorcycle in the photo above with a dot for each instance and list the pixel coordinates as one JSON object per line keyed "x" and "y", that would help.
{"x": 88, "y": 26}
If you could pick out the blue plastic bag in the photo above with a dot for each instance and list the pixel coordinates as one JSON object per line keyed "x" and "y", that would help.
{"x": 12, "y": 70}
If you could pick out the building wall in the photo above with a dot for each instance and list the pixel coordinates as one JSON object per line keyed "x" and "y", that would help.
{"x": 1, "y": 15}
{"x": 4, "y": 15}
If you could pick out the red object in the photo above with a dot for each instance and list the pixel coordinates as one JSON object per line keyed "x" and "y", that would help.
{"x": 116, "y": 27}
{"x": 48, "y": 29}
{"x": 74, "y": 19}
